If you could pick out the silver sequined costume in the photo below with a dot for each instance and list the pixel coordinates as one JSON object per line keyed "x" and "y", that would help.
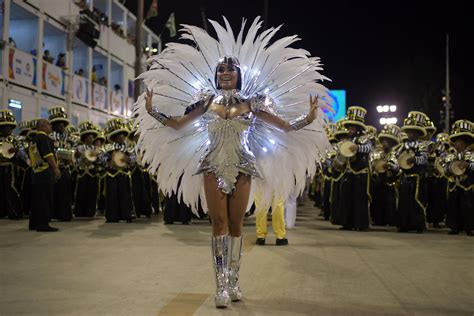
{"x": 228, "y": 152}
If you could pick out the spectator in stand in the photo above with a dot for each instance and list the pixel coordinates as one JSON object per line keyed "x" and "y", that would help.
{"x": 61, "y": 62}
{"x": 103, "y": 81}
{"x": 12, "y": 42}
{"x": 117, "y": 88}
{"x": 94, "y": 74}
{"x": 80, "y": 72}
{"x": 47, "y": 56}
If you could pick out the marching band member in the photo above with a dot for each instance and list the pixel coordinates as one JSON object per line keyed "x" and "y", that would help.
{"x": 141, "y": 182}
{"x": 45, "y": 172}
{"x": 63, "y": 146}
{"x": 87, "y": 182}
{"x": 335, "y": 171}
{"x": 437, "y": 197}
{"x": 9, "y": 152}
{"x": 117, "y": 158}
{"x": 383, "y": 206}
{"x": 74, "y": 140}
{"x": 412, "y": 158}
{"x": 459, "y": 167}
{"x": 326, "y": 187}
{"x": 355, "y": 182}
{"x": 99, "y": 142}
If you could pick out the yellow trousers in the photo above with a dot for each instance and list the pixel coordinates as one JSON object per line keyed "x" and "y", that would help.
{"x": 278, "y": 218}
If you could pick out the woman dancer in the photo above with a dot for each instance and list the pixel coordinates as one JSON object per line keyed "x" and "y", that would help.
{"x": 234, "y": 132}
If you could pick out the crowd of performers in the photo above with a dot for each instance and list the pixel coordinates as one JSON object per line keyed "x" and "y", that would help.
{"x": 409, "y": 177}
{"x": 55, "y": 171}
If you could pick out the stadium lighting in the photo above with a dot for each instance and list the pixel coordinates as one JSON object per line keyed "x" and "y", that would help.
{"x": 386, "y": 108}
{"x": 388, "y": 120}
{"x": 393, "y": 108}
{"x": 379, "y": 108}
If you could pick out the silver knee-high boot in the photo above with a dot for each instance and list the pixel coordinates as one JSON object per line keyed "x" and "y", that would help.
{"x": 220, "y": 257}
{"x": 234, "y": 266}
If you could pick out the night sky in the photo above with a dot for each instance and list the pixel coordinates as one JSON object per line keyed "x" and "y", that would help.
{"x": 383, "y": 52}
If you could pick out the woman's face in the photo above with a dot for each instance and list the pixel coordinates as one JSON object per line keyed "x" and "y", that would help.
{"x": 227, "y": 76}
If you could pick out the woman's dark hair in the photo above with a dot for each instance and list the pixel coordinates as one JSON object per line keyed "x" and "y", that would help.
{"x": 229, "y": 61}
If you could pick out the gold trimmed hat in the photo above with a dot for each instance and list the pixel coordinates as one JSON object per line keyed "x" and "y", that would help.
{"x": 415, "y": 121}
{"x": 72, "y": 130}
{"x": 33, "y": 123}
{"x": 462, "y": 128}
{"x": 430, "y": 127}
{"x": 340, "y": 129}
{"x": 115, "y": 126}
{"x": 58, "y": 114}
{"x": 371, "y": 131}
{"x": 87, "y": 127}
{"x": 390, "y": 131}
{"x": 100, "y": 134}
{"x": 355, "y": 116}
{"x": 132, "y": 125}
{"x": 7, "y": 118}
{"x": 403, "y": 136}
{"x": 24, "y": 127}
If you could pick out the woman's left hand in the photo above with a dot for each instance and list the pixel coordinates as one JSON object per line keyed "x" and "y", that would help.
{"x": 313, "y": 108}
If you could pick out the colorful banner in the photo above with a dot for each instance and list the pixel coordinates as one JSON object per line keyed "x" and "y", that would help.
{"x": 99, "y": 96}
{"x": 53, "y": 79}
{"x": 79, "y": 89}
{"x": 116, "y": 101}
{"x": 21, "y": 67}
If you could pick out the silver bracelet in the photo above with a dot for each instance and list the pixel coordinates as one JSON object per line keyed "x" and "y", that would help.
{"x": 160, "y": 117}
{"x": 299, "y": 123}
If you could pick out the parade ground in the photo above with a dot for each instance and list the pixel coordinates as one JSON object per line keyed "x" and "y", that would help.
{"x": 148, "y": 268}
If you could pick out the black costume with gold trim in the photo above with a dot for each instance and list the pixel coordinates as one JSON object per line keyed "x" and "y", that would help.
{"x": 354, "y": 192}
{"x": 460, "y": 211}
{"x": 118, "y": 186}
{"x": 42, "y": 181}
{"x": 63, "y": 190}
{"x": 411, "y": 212}
{"x": 87, "y": 184}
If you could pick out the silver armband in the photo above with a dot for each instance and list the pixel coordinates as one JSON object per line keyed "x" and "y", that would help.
{"x": 160, "y": 117}
{"x": 299, "y": 123}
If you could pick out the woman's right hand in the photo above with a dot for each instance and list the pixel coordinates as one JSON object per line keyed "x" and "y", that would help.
{"x": 148, "y": 100}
